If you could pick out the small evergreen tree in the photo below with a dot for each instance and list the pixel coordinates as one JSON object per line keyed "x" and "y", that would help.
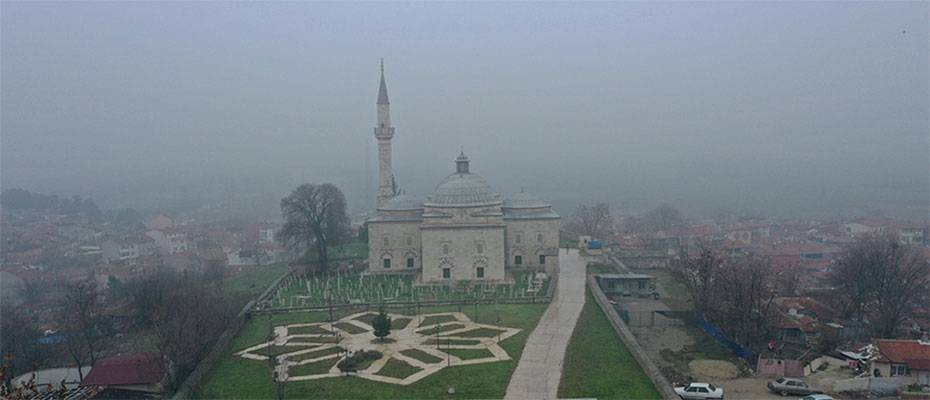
{"x": 382, "y": 325}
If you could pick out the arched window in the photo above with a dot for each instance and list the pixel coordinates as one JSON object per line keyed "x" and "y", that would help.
{"x": 386, "y": 241}
{"x": 539, "y": 238}
{"x": 445, "y": 248}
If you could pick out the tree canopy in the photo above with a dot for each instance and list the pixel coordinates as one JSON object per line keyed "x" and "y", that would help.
{"x": 314, "y": 219}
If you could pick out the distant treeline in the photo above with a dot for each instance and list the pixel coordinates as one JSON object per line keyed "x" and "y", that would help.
{"x": 20, "y": 199}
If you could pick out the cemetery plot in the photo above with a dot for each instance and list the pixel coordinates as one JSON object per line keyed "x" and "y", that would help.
{"x": 354, "y": 288}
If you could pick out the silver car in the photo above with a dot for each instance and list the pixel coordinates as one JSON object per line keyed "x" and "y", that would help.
{"x": 786, "y": 386}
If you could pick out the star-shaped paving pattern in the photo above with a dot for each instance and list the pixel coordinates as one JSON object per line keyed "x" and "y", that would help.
{"x": 416, "y": 348}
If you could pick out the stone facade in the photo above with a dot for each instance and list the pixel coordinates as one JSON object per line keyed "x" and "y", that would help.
{"x": 463, "y": 231}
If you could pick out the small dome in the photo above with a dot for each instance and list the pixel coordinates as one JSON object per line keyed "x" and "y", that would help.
{"x": 402, "y": 202}
{"x": 524, "y": 200}
{"x": 463, "y": 189}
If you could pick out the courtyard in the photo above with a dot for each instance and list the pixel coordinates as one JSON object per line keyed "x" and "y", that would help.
{"x": 475, "y": 354}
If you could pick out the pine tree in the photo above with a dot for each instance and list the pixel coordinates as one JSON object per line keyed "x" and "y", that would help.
{"x": 382, "y": 325}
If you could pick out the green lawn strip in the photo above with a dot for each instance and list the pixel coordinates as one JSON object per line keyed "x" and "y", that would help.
{"x": 440, "y": 329}
{"x": 314, "y": 368}
{"x": 274, "y": 351}
{"x": 312, "y": 341}
{"x": 316, "y": 354}
{"x": 368, "y": 318}
{"x": 308, "y": 330}
{"x": 234, "y": 377}
{"x": 480, "y": 332}
{"x": 400, "y": 323}
{"x": 351, "y": 328}
{"x": 397, "y": 369}
{"x": 254, "y": 282}
{"x": 598, "y": 365}
{"x": 421, "y": 355}
{"x": 445, "y": 341}
{"x": 468, "y": 354}
{"x": 437, "y": 319}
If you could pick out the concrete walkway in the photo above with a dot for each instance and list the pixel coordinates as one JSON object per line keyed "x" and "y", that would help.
{"x": 540, "y": 368}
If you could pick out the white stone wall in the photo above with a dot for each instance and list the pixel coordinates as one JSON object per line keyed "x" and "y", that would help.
{"x": 522, "y": 239}
{"x": 398, "y": 248}
{"x": 463, "y": 258}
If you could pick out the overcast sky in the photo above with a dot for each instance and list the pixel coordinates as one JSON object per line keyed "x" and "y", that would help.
{"x": 787, "y": 106}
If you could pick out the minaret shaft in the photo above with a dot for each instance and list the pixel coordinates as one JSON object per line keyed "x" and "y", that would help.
{"x": 384, "y": 132}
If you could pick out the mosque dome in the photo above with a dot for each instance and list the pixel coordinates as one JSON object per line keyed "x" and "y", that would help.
{"x": 402, "y": 202}
{"x": 463, "y": 189}
{"x": 524, "y": 200}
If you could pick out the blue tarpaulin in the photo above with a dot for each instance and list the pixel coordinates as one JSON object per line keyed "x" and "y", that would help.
{"x": 715, "y": 333}
{"x": 594, "y": 244}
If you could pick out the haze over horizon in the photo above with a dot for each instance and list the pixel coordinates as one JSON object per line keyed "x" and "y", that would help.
{"x": 788, "y": 109}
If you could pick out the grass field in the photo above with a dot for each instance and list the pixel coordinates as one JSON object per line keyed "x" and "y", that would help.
{"x": 236, "y": 377}
{"x": 254, "y": 281}
{"x": 598, "y": 365}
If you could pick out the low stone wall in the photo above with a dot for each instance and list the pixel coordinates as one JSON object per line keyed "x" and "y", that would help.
{"x": 661, "y": 383}
{"x": 408, "y": 304}
{"x": 196, "y": 376}
{"x": 881, "y": 386}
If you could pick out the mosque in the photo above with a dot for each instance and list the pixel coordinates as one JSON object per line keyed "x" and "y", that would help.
{"x": 462, "y": 231}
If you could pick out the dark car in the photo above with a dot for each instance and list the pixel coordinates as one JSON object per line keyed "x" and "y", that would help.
{"x": 786, "y": 386}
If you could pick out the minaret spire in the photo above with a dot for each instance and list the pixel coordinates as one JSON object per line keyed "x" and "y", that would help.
{"x": 384, "y": 132}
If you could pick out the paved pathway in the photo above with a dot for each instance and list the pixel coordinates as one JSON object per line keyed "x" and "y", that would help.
{"x": 540, "y": 368}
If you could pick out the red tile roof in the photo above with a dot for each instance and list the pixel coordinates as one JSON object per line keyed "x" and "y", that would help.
{"x": 130, "y": 369}
{"x": 911, "y": 352}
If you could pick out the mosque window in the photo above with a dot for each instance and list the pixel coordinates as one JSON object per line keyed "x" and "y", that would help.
{"x": 409, "y": 240}
{"x": 542, "y": 259}
{"x": 410, "y": 262}
{"x": 518, "y": 260}
{"x": 386, "y": 242}
{"x": 518, "y": 238}
{"x": 479, "y": 272}
{"x": 539, "y": 238}
{"x": 445, "y": 248}
{"x": 387, "y": 263}
{"x": 446, "y": 273}
{"x": 480, "y": 248}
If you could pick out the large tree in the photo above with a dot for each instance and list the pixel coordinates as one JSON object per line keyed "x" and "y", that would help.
{"x": 880, "y": 277}
{"x": 314, "y": 219}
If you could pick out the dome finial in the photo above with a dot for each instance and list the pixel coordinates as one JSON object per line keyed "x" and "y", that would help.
{"x": 461, "y": 163}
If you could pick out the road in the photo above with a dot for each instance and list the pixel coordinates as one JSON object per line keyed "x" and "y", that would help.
{"x": 540, "y": 369}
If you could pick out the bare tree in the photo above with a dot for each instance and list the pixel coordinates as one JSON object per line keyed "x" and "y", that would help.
{"x": 880, "y": 277}
{"x": 593, "y": 220}
{"x": 736, "y": 294}
{"x": 788, "y": 280}
{"x": 315, "y": 218}
{"x": 186, "y": 313}
{"x": 83, "y": 322}
{"x": 663, "y": 217}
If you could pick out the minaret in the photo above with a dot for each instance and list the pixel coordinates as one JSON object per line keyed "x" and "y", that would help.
{"x": 384, "y": 132}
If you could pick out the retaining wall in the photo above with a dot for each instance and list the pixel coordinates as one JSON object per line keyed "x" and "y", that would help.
{"x": 658, "y": 380}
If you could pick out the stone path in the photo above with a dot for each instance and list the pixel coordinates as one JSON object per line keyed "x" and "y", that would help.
{"x": 540, "y": 369}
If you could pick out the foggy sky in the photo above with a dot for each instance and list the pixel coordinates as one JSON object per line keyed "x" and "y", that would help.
{"x": 807, "y": 109}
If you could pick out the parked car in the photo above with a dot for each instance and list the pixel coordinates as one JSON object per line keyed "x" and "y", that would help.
{"x": 817, "y": 397}
{"x": 699, "y": 391}
{"x": 796, "y": 387}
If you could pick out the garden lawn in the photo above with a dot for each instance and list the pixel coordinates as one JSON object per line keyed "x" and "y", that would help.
{"x": 236, "y": 377}
{"x": 254, "y": 282}
{"x": 598, "y": 365}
